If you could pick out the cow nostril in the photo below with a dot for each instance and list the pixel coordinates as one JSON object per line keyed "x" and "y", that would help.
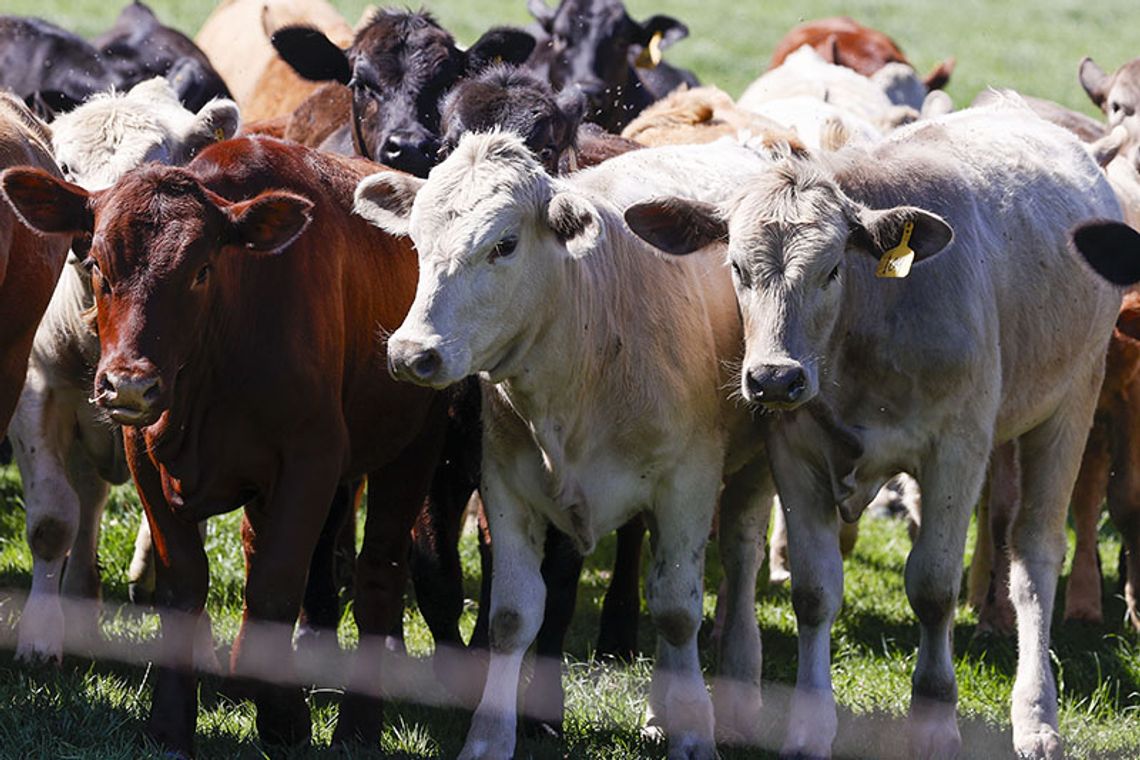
{"x": 105, "y": 385}
{"x": 153, "y": 391}
{"x": 755, "y": 388}
{"x": 796, "y": 387}
{"x": 427, "y": 364}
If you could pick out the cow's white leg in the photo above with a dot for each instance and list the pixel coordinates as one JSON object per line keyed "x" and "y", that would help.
{"x": 40, "y": 437}
{"x": 140, "y": 576}
{"x": 518, "y": 596}
{"x": 1050, "y": 459}
{"x": 778, "y": 573}
{"x": 745, "y": 506}
{"x": 674, "y": 590}
{"x": 81, "y": 576}
{"x": 951, "y": 480}
{"x": 817, "y": 592}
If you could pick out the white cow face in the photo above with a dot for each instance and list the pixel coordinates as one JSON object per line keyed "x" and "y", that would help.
{"x": 791, "y": 237}
{"x": 492, "y": 232}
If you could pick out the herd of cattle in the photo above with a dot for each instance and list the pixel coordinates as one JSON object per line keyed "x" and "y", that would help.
{"x": 589, "y": 290}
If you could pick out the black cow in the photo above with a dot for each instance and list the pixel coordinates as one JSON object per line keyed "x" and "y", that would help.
{"x": 615, "y": 60}
{"x": 399, "y": 66}
{"x": 55, "y": 70}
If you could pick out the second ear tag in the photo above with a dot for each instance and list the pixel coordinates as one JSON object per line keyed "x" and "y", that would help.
{"x": 650, "y": 55}
{"x": 897, "y": 261}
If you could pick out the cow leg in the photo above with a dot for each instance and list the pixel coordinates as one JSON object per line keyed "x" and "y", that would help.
{"x": 617, "y": 630}
{"x": 996, "y": 613}
{"x": 81, "y": 573}
{"x": 480, "y": 634}
{"x": 140, "y": 575}
{"x": 41, "y": 435}
{"x": 396, "y": 493}
{"x": 679, "y": 703}
{"x": 1050, "y": 458}
{"x": 951, "y": 478}
{"x": 982, "y": 563}
{"x": 561, "y": 570}
{"x": 279, "y": 534}
{"x": 778, "y": 572}
{"x": 1082, "y": 596}
{"x": 320, "y": 608}
{"x": 745, "y": 506}
{"x": 1124, "y": 509}
{"x": 817, "y": 592}
{"x": 517, "y": 598}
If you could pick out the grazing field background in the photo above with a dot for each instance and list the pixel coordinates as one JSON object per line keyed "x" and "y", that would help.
{"x": 89, "y": 709}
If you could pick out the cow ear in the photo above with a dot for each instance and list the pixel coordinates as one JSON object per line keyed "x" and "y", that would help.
{"x": 217, "y": 120}
{"x": 47, "y": 104}
{"x": 670, "y": 29}
{"x": 1094, "y": 80}
{"x": 939, "y": 76}
{"x": 541, "y": 12}
{"x": 1111, "y": 248}
{"x": 270, "y": 222}
{"x": 676, "y": 225}
{"x": 312, "y": 54}
{"x": 385, "y": 199}
{"x": 576, "y": 223}
{"x": 877, "y": 232}
{"x": 47, "y": 204}
{"x": 500, "y": 44}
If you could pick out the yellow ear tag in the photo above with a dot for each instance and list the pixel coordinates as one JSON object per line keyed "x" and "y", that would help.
{"x": 896, "y": 262}
{"x": 650, "y": 55}
{"x": 219, "y": 134}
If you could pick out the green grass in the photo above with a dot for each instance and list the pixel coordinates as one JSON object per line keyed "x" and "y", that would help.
{"x": 95, "y": 710}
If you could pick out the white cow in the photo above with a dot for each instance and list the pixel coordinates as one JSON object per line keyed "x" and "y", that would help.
{"x": 605, "y": 375}
{"x": 998, "y": 334}
{"x": 67, "y": 452}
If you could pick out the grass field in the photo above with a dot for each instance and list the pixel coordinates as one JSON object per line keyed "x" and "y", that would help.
{"x": 95, "y": 710}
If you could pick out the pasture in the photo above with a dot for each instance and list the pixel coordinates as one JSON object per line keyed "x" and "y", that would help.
{"x": 92, "y": 709}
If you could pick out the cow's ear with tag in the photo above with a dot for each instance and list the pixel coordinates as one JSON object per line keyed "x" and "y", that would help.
{"x": 576, "y": 223}
{"x": 901, "y": 234}
{"x": 666, "y": 29}
{"x": 270, "y": 222}
{"x": 216, "y": 121}
{"x": 385, "y": 199}
{"x": 676, "y": 225}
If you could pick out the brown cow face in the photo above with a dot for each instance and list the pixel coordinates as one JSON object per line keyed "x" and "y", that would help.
{"x": 1118, "y": 95}
{"x": 163, "y": 259}
{"x": 792, "y": 235}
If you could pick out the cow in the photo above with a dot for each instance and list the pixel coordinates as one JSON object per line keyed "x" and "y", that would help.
{"x": 870, "y": 377}
{"x": 398, "y": 67}
{"x": 227, "y": 399}
{"x": 67, "y": 454}
{"x": 236, "y": 38}
{"x": 700, "y": 115}
{"x": 601, "y": 400}
{"x": 613, "y": 59}
{"x": 843, "y": 41}
{"x": 57, "y": 69}
{"x": 1117, "y": 95}
{"x": 29, "y": 266}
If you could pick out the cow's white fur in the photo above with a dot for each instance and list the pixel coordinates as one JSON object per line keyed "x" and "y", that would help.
{"x": 1001, "y": 336}
{"x": 66, "y": 451}
{"x": 605, "y": 374}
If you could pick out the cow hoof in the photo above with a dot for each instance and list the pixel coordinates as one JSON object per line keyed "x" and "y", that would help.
{"x": 691, "y": 748}
{"x": 1040, "y": 745}
{"x": 490, "y": 738}
{"x": 41, "y": 631}
{"x": 140, "y": 593}
{"x": 778, "y": 576}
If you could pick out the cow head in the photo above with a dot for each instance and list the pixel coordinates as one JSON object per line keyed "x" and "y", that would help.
{"x": 161, "y": 255}
{"x": 590, "y": 43}
{"x": 399, "y": 66}
{"x": 492, "y": 230}
{"x": 1117, "y": 95}
{"x": 791, "y": 234}
{"x": 101, "y": 140}
{"x": 514, "y": 100}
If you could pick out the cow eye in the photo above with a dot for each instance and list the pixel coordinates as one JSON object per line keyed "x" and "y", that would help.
{"x": 1114, "y": 107}
{"x": 104, "y": 284}
{"x": 65, "y": 170}
{"x": 832, "y": 276}
{"x": 203, "y": 273}
{"x": 741, "y": 275}
{"x": 503, "y": 248}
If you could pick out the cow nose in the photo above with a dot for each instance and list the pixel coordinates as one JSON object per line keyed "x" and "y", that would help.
{"x": 426, "y": 364}
{"x": 776, "y": 384}
{"x": 130, "y": 391}
{"x": 408, "y": 152}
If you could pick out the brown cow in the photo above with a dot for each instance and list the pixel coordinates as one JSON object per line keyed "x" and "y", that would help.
{"x": 238, "y": 306}
{"x": 29, "y": 265}
{"x": 845, "y": 42}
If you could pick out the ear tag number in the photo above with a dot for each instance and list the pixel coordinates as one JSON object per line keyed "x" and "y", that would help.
{"x": 896, "y": 262}
{"x": 650, "y": 55}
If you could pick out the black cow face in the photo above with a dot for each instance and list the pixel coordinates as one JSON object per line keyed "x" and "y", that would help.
{"x": 399, "y": 66}
{"x": 514, "y": 100}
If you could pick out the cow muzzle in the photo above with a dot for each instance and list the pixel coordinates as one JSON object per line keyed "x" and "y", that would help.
{"x": 130, "y": 398}
{"x": 414, "y": 362}
{"x": 777, "y": 386}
